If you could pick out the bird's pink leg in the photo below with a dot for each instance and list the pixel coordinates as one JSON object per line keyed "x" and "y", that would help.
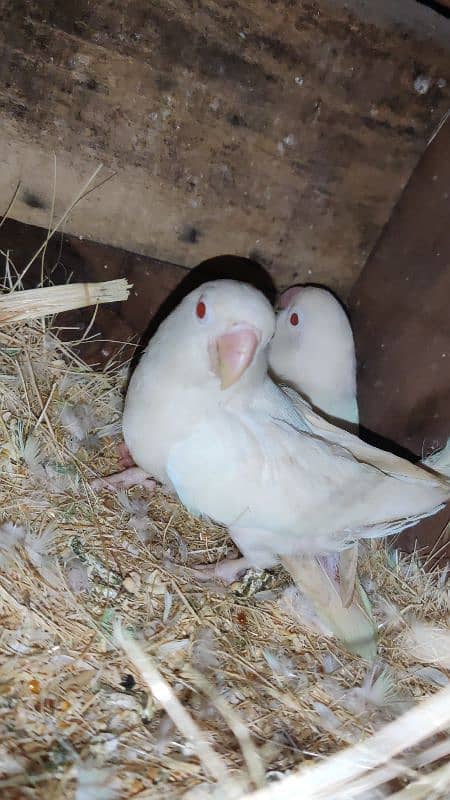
{"x": 130, "y": 475}
{"x": 133, "y": 476}
{"x": 125, "y": 459}
{"x": 226, "y": 571}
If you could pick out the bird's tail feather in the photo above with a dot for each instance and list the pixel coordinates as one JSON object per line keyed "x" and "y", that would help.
{"x": 353, "y": 625}
{"x": 439, "y": 461}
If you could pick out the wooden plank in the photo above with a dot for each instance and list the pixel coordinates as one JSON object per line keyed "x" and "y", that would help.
{"x": 438, "y": 5}
{"x": 280, "y": 130}
{"x": 400, "y": 314}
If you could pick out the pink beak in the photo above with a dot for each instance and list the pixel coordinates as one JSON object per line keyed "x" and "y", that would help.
{"x": 235, "y": 352}
{"x": 288, "y": 296}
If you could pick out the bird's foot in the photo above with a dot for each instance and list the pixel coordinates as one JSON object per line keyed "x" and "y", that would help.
{"x": 125, "y": 459}
{"x": 133, "y": 476}
{"x": 227, "y": 571}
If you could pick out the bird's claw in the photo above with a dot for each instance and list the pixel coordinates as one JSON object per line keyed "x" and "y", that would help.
{"x": 125, "y": 458}
{"x": 133, "y": 476}
{"x": 227, "y": 571}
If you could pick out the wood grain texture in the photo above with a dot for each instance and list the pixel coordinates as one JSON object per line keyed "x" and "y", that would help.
{"x": 69, "y": 258}
{"x": 271, "y": 128}
{"x": 400, "y": 314}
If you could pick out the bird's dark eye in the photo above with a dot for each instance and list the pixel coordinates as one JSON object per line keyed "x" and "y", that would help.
{"x": 293, "y": 319}
{"x": 200, "y": 309}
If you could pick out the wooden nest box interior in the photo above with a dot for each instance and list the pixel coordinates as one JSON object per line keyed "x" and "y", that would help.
{"x": 300, "y": 142}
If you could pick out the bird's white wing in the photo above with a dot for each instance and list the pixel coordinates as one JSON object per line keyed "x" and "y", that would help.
{"x": 252, "y": 470}
{"x": 363, "y": 452}
{"x": 439, "y": 461}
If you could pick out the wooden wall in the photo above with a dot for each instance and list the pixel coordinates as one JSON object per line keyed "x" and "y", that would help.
{"x": 279, "y": 129}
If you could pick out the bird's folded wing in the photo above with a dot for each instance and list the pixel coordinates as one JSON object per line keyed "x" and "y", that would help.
{"x": 439, "y": 461}
{"x": 250, "y": 469}
{"x": 363, "y": 452}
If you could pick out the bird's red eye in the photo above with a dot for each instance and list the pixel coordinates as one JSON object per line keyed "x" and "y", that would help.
{"x": 294, "y": 320}
{"x": 201, "y": 309}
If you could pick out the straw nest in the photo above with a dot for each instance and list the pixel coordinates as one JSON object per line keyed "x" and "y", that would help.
{"x": 121, "y": 676}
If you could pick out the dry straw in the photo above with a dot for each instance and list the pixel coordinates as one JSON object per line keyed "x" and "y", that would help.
{"x": 44, "y": 301}
{"x": 122, "y": 677}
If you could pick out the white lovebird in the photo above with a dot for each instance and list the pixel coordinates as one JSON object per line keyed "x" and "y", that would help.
{"x": 203, "y": 417}
{"x": 313, "y": 351}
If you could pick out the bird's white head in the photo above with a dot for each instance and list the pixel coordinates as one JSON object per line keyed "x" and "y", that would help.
{"x": 313, "y": 348}
{"x": 218, "y": 333}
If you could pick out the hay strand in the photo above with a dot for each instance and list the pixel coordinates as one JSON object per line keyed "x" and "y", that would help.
{"x": 164, "y": 694}
{"x": 236, "y": 724}
{"x": 35, "y": 303}
{"x": 338, "y": 771}
{"x": 87, "y": 186}
{"x": 434, "y": 785}
{"x": 10, "y": 204}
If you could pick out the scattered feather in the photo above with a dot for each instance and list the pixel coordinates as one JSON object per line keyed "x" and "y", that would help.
{"x": 165, "y": 732}
{"x": 142, "y": 527}
{"x": 77, "y": 575}
{"x": 96, "y": 784}
{"x": 330, "y": 663}
{"x": 26, "y": 638}
{"x": 139, "y": 519}
{"x": 63, "y": 477}
{"x": 295, "y": 606}
{"x": 440, "y": 460}
{"x": 443, "y": 577}
{"x": 40, "y": 546}
{"x": 32, "y": 455}
{"x": 168, "y": 600}
{"x": 380, "y": 692}
{"x": 182, "y": 550}
{"x": 78, "y": 420}
{"x": 265, "y": 596}
{"x": 328, "y": 718}
{"x": 10, "y": 765}
{"x": 132, "y": 583}
{"x": 388, "y": 612}
{"x": 110, "y": 430}
{"x": 132, "y": 505}
{"x": 61, "y": 660}
{"x": 430, "y": 675}
{"x": 207, "y": 791}
{"x": 282, "y": 667}
{"x": 38, "y": 549}
{"x": 172, "y": 648}
{"x": 11, "y": 536}
{"x": 204, "y": 651}
{"x": 428, "y": 644}
{"x": 50, "y": 341}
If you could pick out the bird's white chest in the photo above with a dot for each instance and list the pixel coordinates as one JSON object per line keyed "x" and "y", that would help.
{"x": 149, "y": 425}
{"x": 156, "y": 418}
